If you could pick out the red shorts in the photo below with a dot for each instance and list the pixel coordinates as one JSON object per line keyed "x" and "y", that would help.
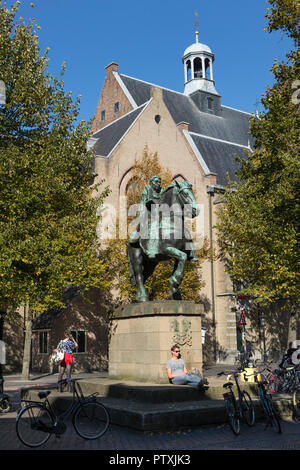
{"x": 68, "y": 359}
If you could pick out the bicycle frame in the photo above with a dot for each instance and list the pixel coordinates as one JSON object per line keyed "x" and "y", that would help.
{"x": 262, "y": 396}
{"x": 235, "y": 376}
{"x": 263, "y": 391}
{"x": 77, "y": 400}
{"x": 236, "y": 400}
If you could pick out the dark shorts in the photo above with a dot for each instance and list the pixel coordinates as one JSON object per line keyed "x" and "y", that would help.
{"x": 68, "y": 359}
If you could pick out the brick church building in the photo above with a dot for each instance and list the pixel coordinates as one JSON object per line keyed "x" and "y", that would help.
{"x": 196, "y": 138}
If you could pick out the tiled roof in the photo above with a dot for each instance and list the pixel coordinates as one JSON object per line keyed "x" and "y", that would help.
{"x": 219, "y": 157}
{"x": 109, "y": 136}
{"x": 218, "y": 137}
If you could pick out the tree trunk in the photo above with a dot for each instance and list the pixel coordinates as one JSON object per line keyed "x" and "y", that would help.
{"x": 2, "y": 316}
{"x": 291, "y": 329}
{"x": 27, "y": 344}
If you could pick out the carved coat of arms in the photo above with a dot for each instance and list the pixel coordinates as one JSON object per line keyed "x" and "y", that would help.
{"x": 182, "y": 334}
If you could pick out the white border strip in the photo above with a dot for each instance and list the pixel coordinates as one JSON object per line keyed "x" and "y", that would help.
{"x": 222, "y": 141}
{"x": 196, "y": 152}
{"x": 125, "y": 90}
{"x": 126, "y": 132}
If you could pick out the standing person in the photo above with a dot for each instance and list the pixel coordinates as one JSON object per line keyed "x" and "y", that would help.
{"x": 178, "y": 373}
{"x": 68, "y": 344}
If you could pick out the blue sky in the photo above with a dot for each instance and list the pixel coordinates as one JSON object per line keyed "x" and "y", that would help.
{"x": 147, "y": 39}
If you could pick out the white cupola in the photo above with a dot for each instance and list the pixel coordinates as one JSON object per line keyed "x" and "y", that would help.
{"x": 198, "y": 68}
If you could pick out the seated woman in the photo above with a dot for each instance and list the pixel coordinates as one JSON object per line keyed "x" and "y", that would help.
{"x": 177, "y": 371}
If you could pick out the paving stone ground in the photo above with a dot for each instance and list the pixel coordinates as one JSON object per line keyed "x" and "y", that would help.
{"x": 118, "y": 439}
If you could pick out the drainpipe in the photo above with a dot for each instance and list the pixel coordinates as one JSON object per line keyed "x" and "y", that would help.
{"x": 211, "y": 192}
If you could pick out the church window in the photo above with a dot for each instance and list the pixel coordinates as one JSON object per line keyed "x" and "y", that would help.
{"x": 103, "y": 115}
{"x": 198, "y": 73}
{"x": 116, "y": 107}
{"x": 188, "y": 70}
{"x": 207, "y": 68}
{"x": 210, "y": 103}
{"x": 43, "y": 342}
{"x": 80, "y": 338}
{"x": 132, "y": 190}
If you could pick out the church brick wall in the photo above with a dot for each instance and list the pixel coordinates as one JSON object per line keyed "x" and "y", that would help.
{"x": 175, "y": 153}
{"x": 111, "y": 93}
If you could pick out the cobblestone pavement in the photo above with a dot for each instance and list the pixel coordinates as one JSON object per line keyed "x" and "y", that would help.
{"x": 122, "y": 439}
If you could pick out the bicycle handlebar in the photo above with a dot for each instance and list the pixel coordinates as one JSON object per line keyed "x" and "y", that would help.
{"x": 234, "y": 372}
{"x": 67, "y": 381}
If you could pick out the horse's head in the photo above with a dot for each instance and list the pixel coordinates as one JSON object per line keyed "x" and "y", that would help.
{"x": 186, "y": 198}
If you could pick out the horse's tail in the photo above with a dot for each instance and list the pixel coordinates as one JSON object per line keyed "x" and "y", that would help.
{"x": 131, "y": 270}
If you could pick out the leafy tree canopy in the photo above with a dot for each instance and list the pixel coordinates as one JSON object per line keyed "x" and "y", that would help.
{"x": 47, "y": 212}
{"x": 259, "y": 222}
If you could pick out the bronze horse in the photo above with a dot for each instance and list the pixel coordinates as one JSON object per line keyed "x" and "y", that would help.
{"x": 169, "y": 241}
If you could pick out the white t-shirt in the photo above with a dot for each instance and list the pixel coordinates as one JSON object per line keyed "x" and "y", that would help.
{"x": 176, "y": 367}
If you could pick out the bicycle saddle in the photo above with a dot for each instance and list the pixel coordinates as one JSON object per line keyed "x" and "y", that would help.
{"x": 44, "y": 394}
{"x": 228, "y": 384}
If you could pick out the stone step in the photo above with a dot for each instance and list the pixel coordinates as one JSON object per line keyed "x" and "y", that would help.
{"x": 157, "y": 393}
{"x": 151, "y": 415}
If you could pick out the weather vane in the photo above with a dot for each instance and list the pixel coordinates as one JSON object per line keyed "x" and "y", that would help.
{"x": 196, "y": 25}
{"x": 256, "y": 107}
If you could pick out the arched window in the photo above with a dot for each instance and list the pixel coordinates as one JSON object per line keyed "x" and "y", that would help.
{"x": 207, "y": 68}
{"x": 132, "y": 189}
{"x": 188, "y": 70}
{"x": 210, "y": 103}
{"x": 198, "y": 72}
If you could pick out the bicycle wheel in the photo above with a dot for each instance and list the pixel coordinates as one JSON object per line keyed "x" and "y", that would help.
{"x": 248, "y": 411}
{"x": 296, "y": 401}
{"x": 5, "y": 405}
{"x": 91, "y": 420}
{"x": 233, "y": 417}
{"x": 30, "y": 423}
{"x": 273, "y": 417}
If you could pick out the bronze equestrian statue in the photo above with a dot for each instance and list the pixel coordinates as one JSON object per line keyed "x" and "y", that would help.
{"x": 161, "y": 234}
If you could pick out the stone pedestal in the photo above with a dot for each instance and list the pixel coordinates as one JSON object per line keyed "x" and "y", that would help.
{"x": 142, "y": 335}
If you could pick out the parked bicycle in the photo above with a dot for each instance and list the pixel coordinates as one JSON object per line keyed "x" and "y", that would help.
{"x": 240, "y": 408}
{"x": 296, "y": 402}
{"x": 288, "y": 379}
{"x": 37, "y": 421}
{"x": 266, "y": 400}
{"x": 5, "y": 403}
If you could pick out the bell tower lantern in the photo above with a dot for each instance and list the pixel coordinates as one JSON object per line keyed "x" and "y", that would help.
{"x": 198, "y": 68}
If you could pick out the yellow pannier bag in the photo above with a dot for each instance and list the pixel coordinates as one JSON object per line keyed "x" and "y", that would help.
{"x": 247, "y": 375}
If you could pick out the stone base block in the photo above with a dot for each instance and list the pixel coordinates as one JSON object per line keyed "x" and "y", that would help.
{"x": 142, "y": 335}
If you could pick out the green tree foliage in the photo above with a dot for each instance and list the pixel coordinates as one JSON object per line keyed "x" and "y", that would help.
{"x": 259, "y": 222}
{"x": 145, "y": 167}
{"x": 47, "y": 212}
